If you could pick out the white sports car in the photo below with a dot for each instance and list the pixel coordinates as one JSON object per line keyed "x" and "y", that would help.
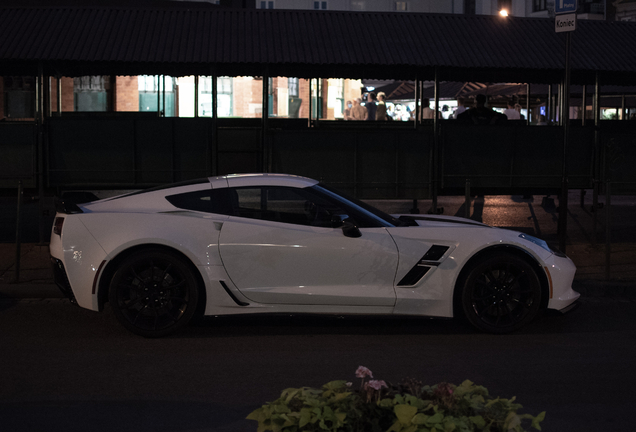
{"x": 269, "y": 243}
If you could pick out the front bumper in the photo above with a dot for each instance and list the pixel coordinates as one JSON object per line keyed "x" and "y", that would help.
{"x": 560, "y": 271}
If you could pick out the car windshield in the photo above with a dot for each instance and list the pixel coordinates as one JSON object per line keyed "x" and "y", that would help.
{"x": 358, "y": 207}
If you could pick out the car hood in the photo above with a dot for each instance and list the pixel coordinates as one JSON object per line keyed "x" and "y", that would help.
{"x": 439, "y": 220}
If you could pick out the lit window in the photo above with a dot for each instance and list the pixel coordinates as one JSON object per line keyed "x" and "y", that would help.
{"x": 224, "y": 96}
{"x": 292, "y": 84}
{"x": 358, "y": 5}
{"x": 538, "y": 5}
{"x": 401, "y": 6}
{"x": 150, "y": 83}
{"x": 88, "y": 83}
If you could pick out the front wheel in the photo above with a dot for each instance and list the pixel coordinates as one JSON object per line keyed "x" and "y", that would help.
{"x": 153, "y": 293}
{"x": 500, "y": 293}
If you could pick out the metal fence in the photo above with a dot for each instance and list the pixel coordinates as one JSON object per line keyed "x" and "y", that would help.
{"x": 372, "y": 161}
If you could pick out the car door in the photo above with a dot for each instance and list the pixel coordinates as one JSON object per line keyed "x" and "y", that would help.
{"x": 280, "y": 248}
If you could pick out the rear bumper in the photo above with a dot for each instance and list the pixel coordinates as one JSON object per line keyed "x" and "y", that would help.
{"x": 61, "y": 279}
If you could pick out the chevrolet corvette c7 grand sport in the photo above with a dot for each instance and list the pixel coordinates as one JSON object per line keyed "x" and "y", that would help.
{"x": 274, "y": 243}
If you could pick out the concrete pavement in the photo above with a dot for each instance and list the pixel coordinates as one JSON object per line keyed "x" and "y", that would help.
{"x": 536, "y": 215}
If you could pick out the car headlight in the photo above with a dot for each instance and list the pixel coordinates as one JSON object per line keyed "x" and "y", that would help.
{"x": 542, "y": 244}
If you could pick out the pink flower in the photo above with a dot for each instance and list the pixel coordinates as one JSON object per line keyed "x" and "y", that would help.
{"x": 375, "y": 384}
{"x": 362, "y": 372}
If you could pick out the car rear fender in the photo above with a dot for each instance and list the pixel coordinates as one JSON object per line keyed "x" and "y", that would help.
{"x": 82, "y": 257}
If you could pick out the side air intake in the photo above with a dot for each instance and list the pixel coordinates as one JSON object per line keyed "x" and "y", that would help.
{"x": 430, "y": 259}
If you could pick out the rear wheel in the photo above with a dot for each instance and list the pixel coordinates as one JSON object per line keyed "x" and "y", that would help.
{"x": 153, "y": 293}
{"x": 500, "y": 293}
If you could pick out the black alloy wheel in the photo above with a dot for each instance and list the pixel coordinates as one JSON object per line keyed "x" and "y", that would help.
{"x": 153, "y": 293}
{"x": 501, "y": 293}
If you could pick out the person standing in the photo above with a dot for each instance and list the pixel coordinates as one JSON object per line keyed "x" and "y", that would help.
{"x": 347, "y": 111}
{"x": 380, "y": 113}
{"x": 511, "y": 112}
{"x": 460, "y": 107}
{"x": 371, "y": 106}
{"x": 358, "y": 112}
{"x": 427, "y": 111}
{"x": 480, "y": 114}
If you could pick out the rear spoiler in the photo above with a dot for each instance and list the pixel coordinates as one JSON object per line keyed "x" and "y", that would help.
{"x": 68, "y": 202}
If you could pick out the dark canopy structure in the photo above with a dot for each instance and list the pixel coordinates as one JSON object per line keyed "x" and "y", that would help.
{"x": 179, "y": 41}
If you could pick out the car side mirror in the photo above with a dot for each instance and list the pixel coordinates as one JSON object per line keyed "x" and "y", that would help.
{"x": 348, "y": 225}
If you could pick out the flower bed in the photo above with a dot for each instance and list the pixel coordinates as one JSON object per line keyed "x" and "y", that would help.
{"x": 377, "y": 406}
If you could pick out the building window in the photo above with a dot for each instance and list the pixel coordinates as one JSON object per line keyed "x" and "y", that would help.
{"x": 152, "y": 83}
{"x": 89, "y": 83}
{"x": 335, "y": 97}
{"x": 153, "y": 94}
{"x": 292, "y": 84}
{"x": 90, "y": 93}
{"x": 266, "y": 5}
{"x": 358, "y": 5}
{"x": 223, "y": 96}
{"x": 539, "y": 5}
{"x": 592, "y": 7}
{"x": 224, "y": 85}
{"x": 401, "y": 6}
{"x": 320, "y": 5}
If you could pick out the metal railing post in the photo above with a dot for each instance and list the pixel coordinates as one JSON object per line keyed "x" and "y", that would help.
{"x": 467, "y": 200}
{"x": 608, "y": 229}
{"x": 598, "y": 171}
{"x": 18, "y": 234}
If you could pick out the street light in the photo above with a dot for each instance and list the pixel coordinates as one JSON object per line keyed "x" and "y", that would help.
{"x": 503, "y": 13}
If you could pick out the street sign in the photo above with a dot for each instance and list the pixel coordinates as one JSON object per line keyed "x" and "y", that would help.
{"x": 565, "y": 6}
{"x": 565, "y": 23}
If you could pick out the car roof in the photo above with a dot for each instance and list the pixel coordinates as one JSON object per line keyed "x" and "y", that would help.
{"x": 246, "y": 180}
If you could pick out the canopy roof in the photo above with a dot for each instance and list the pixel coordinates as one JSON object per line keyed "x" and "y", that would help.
{"x": 179, "y": 41}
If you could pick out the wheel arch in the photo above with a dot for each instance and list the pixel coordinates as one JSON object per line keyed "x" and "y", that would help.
{"x": 111, "y": 267}
{"x": 511, "y": 249}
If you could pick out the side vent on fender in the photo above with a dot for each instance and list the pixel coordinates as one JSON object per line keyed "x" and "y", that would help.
{"x": 430, "y": 259}
{"x": 435, "y": 253}
{"x": 232, "y": 296}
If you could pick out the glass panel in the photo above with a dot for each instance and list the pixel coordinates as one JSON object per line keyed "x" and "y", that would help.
{"x": 286, "y": 205}
{"x": 151, "y": 95}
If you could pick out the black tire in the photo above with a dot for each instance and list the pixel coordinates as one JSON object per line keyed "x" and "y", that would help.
{"x": 153, "y": 293}
{"x": 500, "y": 293}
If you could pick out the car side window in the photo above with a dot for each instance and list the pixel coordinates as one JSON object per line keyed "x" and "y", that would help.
{"x": 286, "y": 205}
{"x": 209, "y": 201}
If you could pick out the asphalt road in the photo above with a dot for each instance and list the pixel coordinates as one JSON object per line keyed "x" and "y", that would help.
{"x": 63, "y": 368}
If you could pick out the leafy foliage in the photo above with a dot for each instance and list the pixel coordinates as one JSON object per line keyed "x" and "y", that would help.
{"x": 409, "y": 406}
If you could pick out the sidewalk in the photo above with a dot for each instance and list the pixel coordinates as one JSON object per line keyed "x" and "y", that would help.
{"x": 536, "y": 216}
{"x": 36, "y": 275}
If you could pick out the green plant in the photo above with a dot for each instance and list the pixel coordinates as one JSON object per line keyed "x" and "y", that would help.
{"x": 409, "y": 406}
